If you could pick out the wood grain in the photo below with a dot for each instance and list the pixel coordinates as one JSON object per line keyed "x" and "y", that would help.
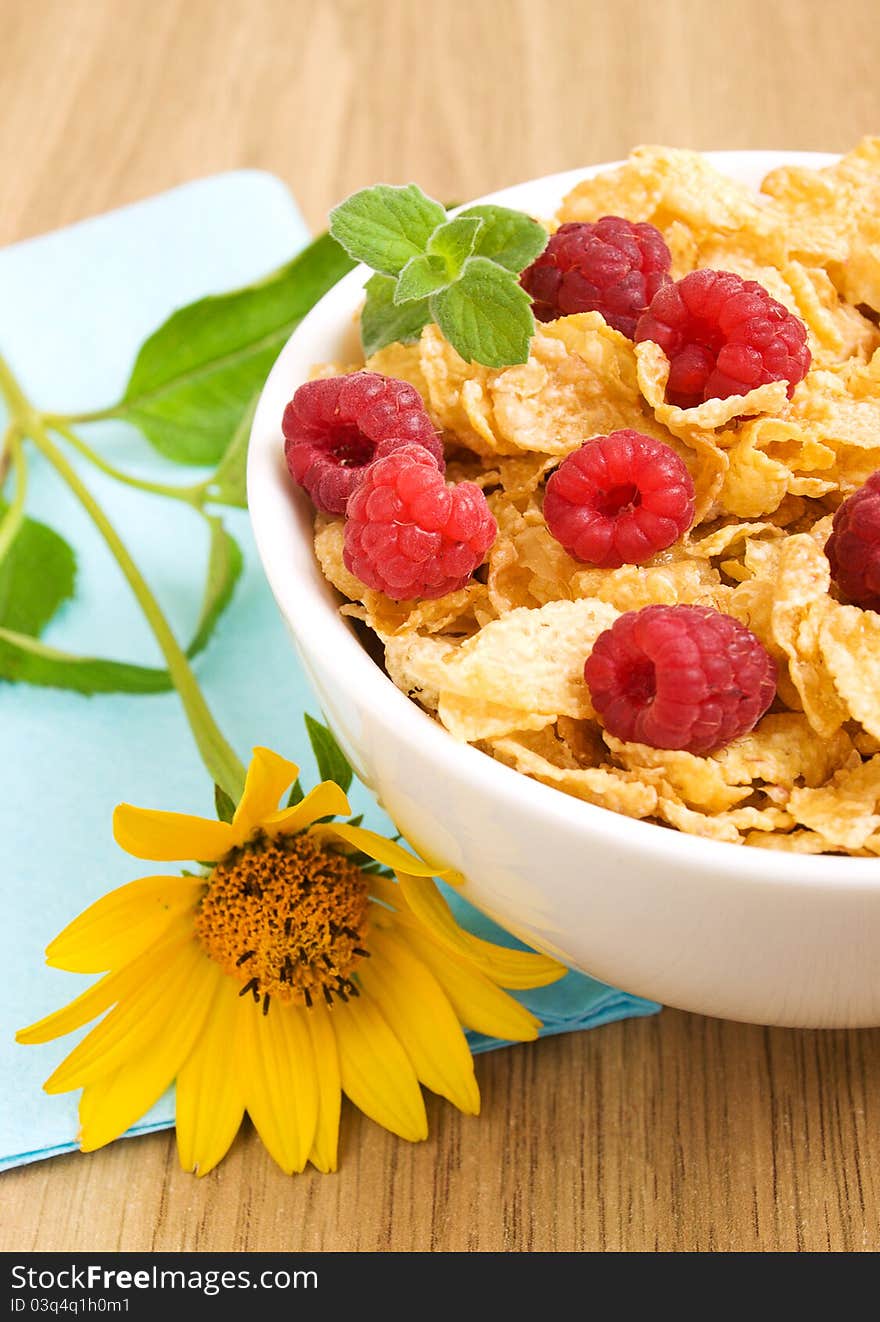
{"x": 672, "y": 1133}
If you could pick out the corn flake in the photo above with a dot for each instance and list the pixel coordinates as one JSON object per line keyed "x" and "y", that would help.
{"x": 839, "y": 207}
{"x": 532, "y": 659}
{"x": 698, "y": 781}
{"x": 665, "y": 185}
{"x": 580, "y": 381}
{"x": 849, "y": 641}
{"x": 653, "y": 374}
{"x": 404, "y": 362}
{"x": 844, "y": 812}
{"x": 604, "y": 786}
{"x": 782, "y": 750}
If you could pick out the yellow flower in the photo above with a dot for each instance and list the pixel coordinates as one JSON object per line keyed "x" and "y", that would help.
{"x": 283, "y": 978}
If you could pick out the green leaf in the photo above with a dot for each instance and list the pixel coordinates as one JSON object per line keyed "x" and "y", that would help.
{"x": 224, "y": 805}
{"x": 26, "y": 659}
{"x": 296, "y": 795}
{"x": 195, "y": 377}
{"x": 332, "y": 762}
{"x": 486, "y": 315}
{"x": 229, "y": 484}
{"x": 510, "y": 238}
{"x": 37, "y": 575}
{"x": 420, "y": 277}
{"x": 386, "y": 225}
{"x": 224, "y": 569}
{"x": 383, "y": 322}
{"x": 454, "y": 242}
{"x": 376, "y": 869}
{"x": 30, "y": 661}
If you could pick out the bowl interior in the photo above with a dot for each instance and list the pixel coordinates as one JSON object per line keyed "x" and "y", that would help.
{"x": 282, "y": 520}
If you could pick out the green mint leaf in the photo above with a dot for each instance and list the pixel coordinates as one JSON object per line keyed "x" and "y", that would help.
{"x": 224, "y": 569}
{"x": 195, "y": 377}
{"x": 229, "y": 484}
{"x": 223, "y": 804}
{"x": 454, "y": 242}
{"x": 420, "y": 277}
{"x": 27, "y": 660}
{"x": 386, "y": 225}
{"x": 332, "y": 762}
{"x": 510, "y": 238}
{"x": 384, "y": 322}
{"x": 37, "y": 576}
{"x": 486, "y": 315}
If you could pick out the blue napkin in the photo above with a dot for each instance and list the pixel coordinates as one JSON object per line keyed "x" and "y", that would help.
{"x": 74, "y": 307}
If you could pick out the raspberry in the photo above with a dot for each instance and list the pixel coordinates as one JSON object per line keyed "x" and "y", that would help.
{"x": 410, "y": 534}
{"x": 619, "y": 499}
{"x": 334, "y": 427}
{"x": 611, "y": 266}
{"x": 679, "y": 677}
{"x": 853, "y": 549}
{"x": 723, "y": 336}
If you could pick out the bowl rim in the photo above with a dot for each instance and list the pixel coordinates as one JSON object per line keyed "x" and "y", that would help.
{"x": 273, "y": 501}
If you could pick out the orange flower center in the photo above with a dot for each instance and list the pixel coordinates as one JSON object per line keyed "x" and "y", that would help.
{"x": 287, "y": 918}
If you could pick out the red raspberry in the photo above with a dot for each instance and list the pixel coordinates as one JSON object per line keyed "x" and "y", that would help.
{"x": 611, "y": 266}
{"x": 723, "y": 336}
{"x": 679, "y": 677}
{"x": 853, "y": 549}
{"x": 619, "y": 499}
{"x": 410, "y": 534}
{"x": 334, "y": 427}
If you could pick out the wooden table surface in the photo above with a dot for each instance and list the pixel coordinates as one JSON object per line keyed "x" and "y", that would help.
{"x": 676, "y": 1132}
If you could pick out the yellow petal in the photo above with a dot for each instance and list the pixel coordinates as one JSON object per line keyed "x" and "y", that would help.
{"x": 509, "y": 968}
{"x": 101, "y": 995}
{"x": 268, "y": 776}
{"x": 419, "y": 1013}
{"x": 143, "y": 1015}
{"x": 515, "y": 969}
{"x": 110, "y": 1105}
{"x": 324, "y": 1148}
{"x": 477, "y": 1002}
{"x": 163, "y": 836}
{"x": 210, "y": 1094}
{"x": 325, "y": 800}
{"x": 376, "y": 1072}
{"x": 382, "y": 850}
{"x": 381, "y": 888}
{"x": 122, "y": 923}
{"x": 281, "y": 1088}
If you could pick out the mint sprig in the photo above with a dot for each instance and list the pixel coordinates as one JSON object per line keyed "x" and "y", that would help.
{"x": 461, "y": 271}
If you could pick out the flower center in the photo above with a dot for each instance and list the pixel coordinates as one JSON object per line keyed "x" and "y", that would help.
{"x": 287, "y": 918}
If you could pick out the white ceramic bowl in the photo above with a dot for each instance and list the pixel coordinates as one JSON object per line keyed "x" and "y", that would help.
{"x": 730, "y": 931}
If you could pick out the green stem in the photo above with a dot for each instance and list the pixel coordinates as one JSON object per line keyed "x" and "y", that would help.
{"x": 14, "y": 516}
{"x": 221, "y": 762}
{"x": 193, "y": 495}
{"x": 58, "y": 421}
{"x": 6, "y": 451}
{"x": 219, "y": 758}
{"x": 19, "y": 406}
